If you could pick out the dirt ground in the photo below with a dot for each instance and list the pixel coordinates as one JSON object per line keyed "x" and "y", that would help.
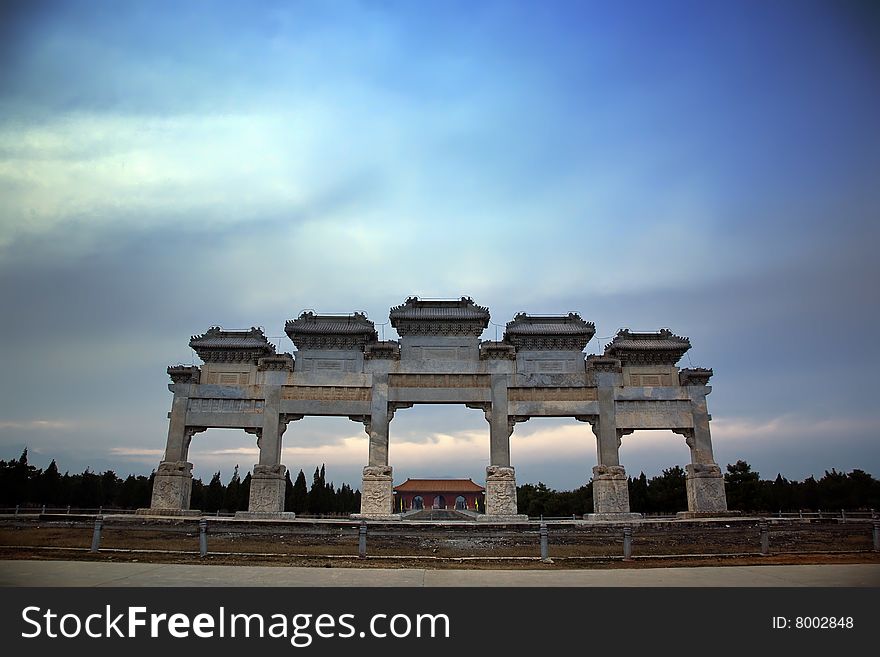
{"x": 430, "y": 545}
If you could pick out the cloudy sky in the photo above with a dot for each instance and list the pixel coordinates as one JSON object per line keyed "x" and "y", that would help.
{"x": 709, "y": 167}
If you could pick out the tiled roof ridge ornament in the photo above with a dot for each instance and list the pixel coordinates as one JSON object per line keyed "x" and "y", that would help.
{"x": 568, "y": 332}
{"x": 352, "y": 331}
{"x": 647, "y": 348}
{"x": 458, "y": 317}
{"x": 222, "y": 346}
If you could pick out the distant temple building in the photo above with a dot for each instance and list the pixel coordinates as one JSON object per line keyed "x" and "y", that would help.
{"x": 460, "y": 494}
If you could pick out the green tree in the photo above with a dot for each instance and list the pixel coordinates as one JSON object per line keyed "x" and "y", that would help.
{"x": 742, "y": 487}
{"x": 300, "y": 494}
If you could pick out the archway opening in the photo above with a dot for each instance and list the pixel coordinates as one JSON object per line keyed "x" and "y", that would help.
{"x": 222, "y": 460}
{"x": 324, "y": 456}
{"x": 433, "y": 442}
{"x": 553, "y": 457}
{"x": 655, "y": 465}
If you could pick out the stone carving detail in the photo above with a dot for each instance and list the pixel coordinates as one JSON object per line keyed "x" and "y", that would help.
{"x": 188, "y": 434}
{"x": 172, "y": 485}
{"x": 610, "y": 492}
{"x": 326, "y": 393}
{"x": 552, "y": 394}
{"x": 697, "y": 376}
{"x": 512, "y": 420}
{"x": 365, "y": 419}
{"x": 438, "y": 380}
{"x": 621, "y": 433}
{"x": 396, "y": 406}
{"x": 388, "y": 350}
{"x": 491, "y": 350}
{"x": 603, "y": 364}
{"x": 705, "y": 488}
{"x": 500, "y": 491}
{"x": 688, "y": 436}
{"x": 224, "y": 405}
{"x": 377, "y": 497}
{"x": 270, "y": 471}
{"x": 281, "y": 362}
{"x": 184, "y": 373}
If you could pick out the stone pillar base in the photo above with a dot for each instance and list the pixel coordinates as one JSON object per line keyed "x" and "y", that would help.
{"x": 705, "y": 488}
{"x": 267, "y": 489}
{"x": 377, "y": 498}
{"x": 610, "y": 491}
{"x": 500, "y": 493}
{"x": 172, "y": 487}
{"x": 612, "y": 517}
{"x": 251, "y": 515}
{"x": 188, "y": 513}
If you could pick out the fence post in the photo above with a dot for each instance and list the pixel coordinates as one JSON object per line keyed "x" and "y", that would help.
{"x": 876, "y": 524}
{"x": 43, "y": 512}
{"x": 68, "y": 509}
{"x": 96, "y": 535}
{"x": 801, "y": 514}
{"x": 203, "y": 537}
{"x": 362, "y": 540}
{"x": 101, "y": 510}
{"x": 545, "y": 551}
{"x": 627, "y": 542}
{"x": 842, "y": 515}
{"x": 765, "y": 537}
{"x": 16, "y": 509}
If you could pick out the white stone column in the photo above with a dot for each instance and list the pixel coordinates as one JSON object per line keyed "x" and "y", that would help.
{"x": 705, "y": 482}
{"x": 610, "y": 489}
{"x": 500, "y": 475}
{"x": 267, "y": 480}
{"x": 172, "y": 482}
{"x": 377, "y": 497}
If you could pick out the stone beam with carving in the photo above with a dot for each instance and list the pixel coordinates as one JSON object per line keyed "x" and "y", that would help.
{"x": 184, "y": 373}
{"x": 492, "y": 350}
{"x": 387, "y": 350}
{"x": 279, "y": 362}
{"x": 695, "y": 376}
{"x": 512, "y": 420}
{"x": 364, "y": 419}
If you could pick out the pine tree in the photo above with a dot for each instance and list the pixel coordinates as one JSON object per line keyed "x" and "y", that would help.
{"x": 300, "y": 496}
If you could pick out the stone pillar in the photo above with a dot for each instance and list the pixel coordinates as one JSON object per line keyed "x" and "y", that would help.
{"x": 172, "y": 483}
{"x": 377, "y": 497}
{"x": 500, "y": 475}
{"x": 268, "y": 480}
{"x": 610, "y": 490}
{"x": 705, "y": 483}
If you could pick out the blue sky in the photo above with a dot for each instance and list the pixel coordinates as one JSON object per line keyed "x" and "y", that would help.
{"x": 710, "y": 167}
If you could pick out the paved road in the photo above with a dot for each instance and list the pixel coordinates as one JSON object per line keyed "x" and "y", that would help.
{"x": 88, "y": 573}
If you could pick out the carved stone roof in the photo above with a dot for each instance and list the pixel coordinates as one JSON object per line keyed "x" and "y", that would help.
{"x": 217, "y": 345}
{"x": 311, "y": 331}
{"x": 549, "y": 332}
{"x": 661, "y": 348}
{"x": 389, "y": 350}
{"x": 439, "y": 486}
{"x": 429, "y": 317}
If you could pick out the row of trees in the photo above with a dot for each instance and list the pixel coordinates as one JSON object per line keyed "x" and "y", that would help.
{"x": 746, "y": 491}
{"x": 23, "y": 484}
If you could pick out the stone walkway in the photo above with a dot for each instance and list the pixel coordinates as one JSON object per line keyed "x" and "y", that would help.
{"x": 85, "y": 573}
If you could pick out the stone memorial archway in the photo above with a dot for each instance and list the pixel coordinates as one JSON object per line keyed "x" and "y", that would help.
{"x": 340, "y": 368}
